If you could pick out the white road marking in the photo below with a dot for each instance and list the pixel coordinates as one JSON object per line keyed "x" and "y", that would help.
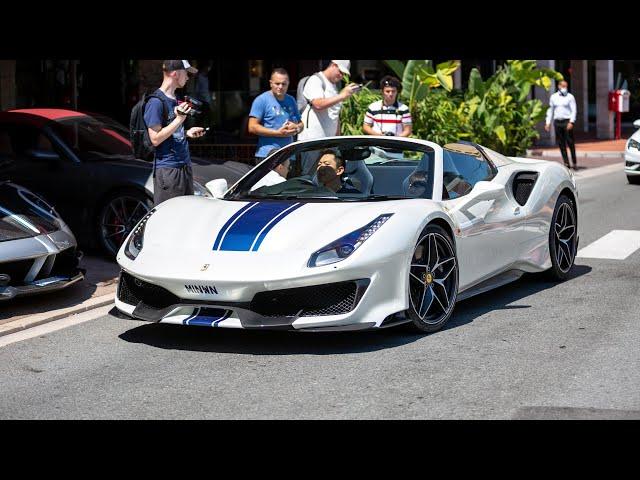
{"x": 55, "y": 325}
{"x": 615, "y": 245}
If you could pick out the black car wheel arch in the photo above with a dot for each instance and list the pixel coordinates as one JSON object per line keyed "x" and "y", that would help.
{"x": 117, "y": 214}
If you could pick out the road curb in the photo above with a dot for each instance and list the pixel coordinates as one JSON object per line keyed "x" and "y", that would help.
{"x": 555, "y": 154}
{"x": 46, "y": 317}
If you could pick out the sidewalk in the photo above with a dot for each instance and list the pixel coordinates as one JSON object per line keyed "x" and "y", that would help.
{"x": 590, "y": 152}
{"x": 96, "y": 290}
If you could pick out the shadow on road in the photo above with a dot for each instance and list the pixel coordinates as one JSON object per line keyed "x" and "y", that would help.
{"x": 31, "y": 305}
{"x": 502, "y": 298}
{"x": 221, "y": 340}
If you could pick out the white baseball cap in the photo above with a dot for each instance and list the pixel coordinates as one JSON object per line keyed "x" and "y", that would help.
{"x": 343, "y": 65}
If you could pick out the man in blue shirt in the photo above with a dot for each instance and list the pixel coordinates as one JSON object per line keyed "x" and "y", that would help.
{"x": 172, "y": 173}
{"x": 274, "y": 116}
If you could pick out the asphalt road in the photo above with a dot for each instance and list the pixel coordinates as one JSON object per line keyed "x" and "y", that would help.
{"x": 533, "y": 349}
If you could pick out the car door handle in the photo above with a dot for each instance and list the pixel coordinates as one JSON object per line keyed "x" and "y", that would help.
{"x": 516, "y": 211}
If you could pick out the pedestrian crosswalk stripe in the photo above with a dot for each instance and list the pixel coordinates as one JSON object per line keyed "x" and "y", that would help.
{"x": 615, "y": 245}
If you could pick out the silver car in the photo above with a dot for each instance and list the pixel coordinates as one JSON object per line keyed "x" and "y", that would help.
{"x": 38, "y": 251}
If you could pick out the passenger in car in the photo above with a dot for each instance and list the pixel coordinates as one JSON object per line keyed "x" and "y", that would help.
{"x": 277, "y": 175}
{"x": 330, "y": 170}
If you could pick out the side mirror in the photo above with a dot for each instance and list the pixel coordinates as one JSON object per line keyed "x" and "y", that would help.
{"x": 636, "y": 124}
{"x": 217, "y": 187}
{"x": 42, "y": 155}
{"x": 487, "y": 190}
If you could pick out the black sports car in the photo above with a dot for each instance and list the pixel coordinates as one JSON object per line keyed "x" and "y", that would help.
{"x": 83, "y": 164}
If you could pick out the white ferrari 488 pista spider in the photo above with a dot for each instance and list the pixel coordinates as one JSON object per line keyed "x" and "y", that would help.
{"x": 350, "y": 233}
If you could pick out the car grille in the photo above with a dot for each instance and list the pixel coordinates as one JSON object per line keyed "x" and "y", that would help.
{"x": 329, "y": 299}
{"x": 17, "y": 270}
{"x": 132, "y": 291}
{"x": 321, "y": 300}
{"x": 66, "y": 262}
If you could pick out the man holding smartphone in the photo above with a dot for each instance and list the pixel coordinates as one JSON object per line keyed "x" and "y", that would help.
{"x": 274, "y": 116}
{"x": 321, "y": 116}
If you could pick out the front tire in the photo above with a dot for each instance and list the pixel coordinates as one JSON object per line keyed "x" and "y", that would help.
{"x": 563, "y": 238}
{"x": 433, "y": 280}
{"x": 119, "y": 213}
{"x": 633, "y": 179}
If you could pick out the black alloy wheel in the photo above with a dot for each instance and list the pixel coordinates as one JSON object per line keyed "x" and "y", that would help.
{"x": 119, "y": 215}
{"x": 563, "y": 238}
{"x": 433, "y": 280}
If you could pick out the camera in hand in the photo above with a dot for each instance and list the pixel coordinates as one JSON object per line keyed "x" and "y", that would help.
{"x": 389, "y": 134}
{"x": 195, "y": 105}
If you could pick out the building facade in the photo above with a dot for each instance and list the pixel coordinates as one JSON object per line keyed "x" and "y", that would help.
{"x": 112, "y": 87}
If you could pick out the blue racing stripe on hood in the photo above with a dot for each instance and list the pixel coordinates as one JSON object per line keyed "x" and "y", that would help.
{"x": 233, "y": 218}
{"x": 261, "y": 236}
{"x": 255, "y": 222}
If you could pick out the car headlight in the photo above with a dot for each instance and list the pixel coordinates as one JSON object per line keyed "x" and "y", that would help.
{"x": 200, "y": 190}
{"x": 633, "y": 144}
{"x": 136, "y": 239}
{"x": 345, "y": 246}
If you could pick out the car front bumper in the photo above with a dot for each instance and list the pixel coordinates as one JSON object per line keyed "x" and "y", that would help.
{"x": 44, "y": 285}
{"x": 369, "y": 296}
{"x": 40, "y": 264}
{"x": 632, "y": 162}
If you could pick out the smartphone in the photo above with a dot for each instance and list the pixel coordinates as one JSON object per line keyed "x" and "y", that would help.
{"x": 358, "y": 87}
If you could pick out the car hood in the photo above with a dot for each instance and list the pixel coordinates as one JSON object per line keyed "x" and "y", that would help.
{"x": 23, "y": 214}
{"x": 206, "y": 170}
{"x": 260, "y": 238}
{"x": 122, "y": 160}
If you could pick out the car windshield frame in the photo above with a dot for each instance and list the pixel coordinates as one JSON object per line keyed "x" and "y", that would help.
{"x": 241, "y": 191}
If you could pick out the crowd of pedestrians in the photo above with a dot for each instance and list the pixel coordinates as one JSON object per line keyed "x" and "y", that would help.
{"x": 276, "y": 118}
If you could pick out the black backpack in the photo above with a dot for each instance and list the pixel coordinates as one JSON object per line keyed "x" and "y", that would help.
{"x": 140, "y": 141}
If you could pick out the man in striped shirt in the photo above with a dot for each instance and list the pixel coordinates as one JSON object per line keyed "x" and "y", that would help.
{"x": 388, "y": 116}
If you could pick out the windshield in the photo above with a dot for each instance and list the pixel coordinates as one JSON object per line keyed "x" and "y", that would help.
{"x": 90, "y": 137}
{"x": 345, "y": 169}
